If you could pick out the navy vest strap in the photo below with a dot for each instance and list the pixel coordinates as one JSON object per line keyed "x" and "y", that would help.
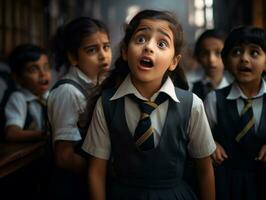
{"x": 82, "y": 130}
{"x": 71, "y": 82}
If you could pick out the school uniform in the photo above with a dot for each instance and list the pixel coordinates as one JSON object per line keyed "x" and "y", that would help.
{"x": 240, "y": 176}
{"x": 157, "y": 173}
{"x": 24, "y": 110}
{"x": 68, "y": 117}
{"x": 204, "y": 86}
{"x": 67, "y": 105}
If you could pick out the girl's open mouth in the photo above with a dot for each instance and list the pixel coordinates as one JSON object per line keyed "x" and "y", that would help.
{"x": 146, "y": 62}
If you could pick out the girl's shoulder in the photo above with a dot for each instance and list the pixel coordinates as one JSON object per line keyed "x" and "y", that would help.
{"x": 67, "y": 87}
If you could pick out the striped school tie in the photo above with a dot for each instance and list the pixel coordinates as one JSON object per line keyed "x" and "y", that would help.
{"x": 247, "y": 120}
{"x": 143, "y": 134}
{"x": 43, "y": 105}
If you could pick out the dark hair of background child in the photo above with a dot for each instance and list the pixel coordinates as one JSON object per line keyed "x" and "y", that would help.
{"x": 23, "y": 54}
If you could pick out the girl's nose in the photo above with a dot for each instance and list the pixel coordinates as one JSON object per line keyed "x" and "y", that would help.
{"x": 212, "y": 57}
{"x": 102, "y": 54}
{"x": 149, "y": 47}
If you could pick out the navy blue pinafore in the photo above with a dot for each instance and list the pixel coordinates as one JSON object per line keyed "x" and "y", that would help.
{"x": 154, "y": 174}
{"x": 240, "y": 176}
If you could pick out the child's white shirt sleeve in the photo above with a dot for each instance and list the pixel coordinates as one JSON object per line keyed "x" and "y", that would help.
{"x": 65, "y": 103}
{"x": 201, "y": 142}
{"x": 97, "y": 142}
{"x": 16, "y": 110}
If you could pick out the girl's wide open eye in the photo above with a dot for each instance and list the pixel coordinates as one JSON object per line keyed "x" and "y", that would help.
{"x": 140, "y": 39}
{"x": 162, "y": 44}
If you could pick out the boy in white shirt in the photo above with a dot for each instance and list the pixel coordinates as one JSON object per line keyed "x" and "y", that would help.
{"x": 25, "y": 109}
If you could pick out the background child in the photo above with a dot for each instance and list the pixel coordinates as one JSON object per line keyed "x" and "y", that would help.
{"x": 83, "y": 48}
{"x": 207, "y": 51}
{"x": 24, "y": 110}
{"x": 240, "y": 155}
{"x": 150, "y": 55}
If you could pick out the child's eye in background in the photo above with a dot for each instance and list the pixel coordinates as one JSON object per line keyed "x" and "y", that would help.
{"x": 254, "y": 53}
{"x": 106, "y": 47}
{"x": 140, "y": 39}
{"x": 236, "y": 52}
{"x": 218, "y": 53}
{"x": 32, "y": 69}
{"x": 91, "y": 50}
{"x": 162, "y": 44}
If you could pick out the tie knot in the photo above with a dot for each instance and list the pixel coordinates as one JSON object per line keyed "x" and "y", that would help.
{"x": 248, "y": 101}
{"x": 247, "y": 105}
{"x": 148, "y": 106}
{"x": 41, "y": 101}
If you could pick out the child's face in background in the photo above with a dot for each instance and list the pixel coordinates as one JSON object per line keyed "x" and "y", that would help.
{"x": 94, "y": 56}
{"x": 210, "y": 56}
{"x": 36, "y": 76}
{"x": 247, "y": 62}
{"x": 150, "y": 53}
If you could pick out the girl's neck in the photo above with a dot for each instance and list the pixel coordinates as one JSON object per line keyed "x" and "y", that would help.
{"x": 250, "y": 89}
{"x": 147, "y": 90}
{"x": 216, "y": 80}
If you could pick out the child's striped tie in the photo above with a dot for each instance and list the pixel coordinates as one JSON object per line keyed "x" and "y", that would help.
{"x": 247, "y": 120}
{"x": 143, "y": 135}
{"x": 43, "y": 105}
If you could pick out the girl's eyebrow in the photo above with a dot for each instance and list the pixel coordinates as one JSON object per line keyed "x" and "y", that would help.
{"x": 158, "y": 29}
{"x": 94, "y": 45}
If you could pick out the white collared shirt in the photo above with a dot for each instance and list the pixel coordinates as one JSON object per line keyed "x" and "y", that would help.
{"x": 17, "y": 105}
{"x": 224, "y": 82}
{"x": 65, "y": 104}
{"x": 235, "y": 94}
{"x": 97, "y": 141}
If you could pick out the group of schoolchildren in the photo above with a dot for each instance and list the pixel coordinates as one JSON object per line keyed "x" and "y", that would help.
{"x": 92, "y": 117}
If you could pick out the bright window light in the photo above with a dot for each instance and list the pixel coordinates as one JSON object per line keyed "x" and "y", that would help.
{"x": 199, "y": 4}
{"x": 131, "y": 12}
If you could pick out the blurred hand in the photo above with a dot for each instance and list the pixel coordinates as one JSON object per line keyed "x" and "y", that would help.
{"x": 262, "y": 154}
{"x": 219, "y": 155}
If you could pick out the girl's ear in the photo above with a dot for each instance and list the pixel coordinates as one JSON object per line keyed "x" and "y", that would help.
{"x": 175, "y": 62}
{"x": 72, "y": 59}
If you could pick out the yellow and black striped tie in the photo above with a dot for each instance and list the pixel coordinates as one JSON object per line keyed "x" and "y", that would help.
{"x": 143, "y": 134}
{"x": 247, "y": 120}
{"x": 43, "y": 105}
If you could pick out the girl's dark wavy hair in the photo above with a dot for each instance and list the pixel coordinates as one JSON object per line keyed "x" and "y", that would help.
{"x": 244, "y": 35}
{"x": 121, "y": 67}
{"x": 68, "y": 39}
